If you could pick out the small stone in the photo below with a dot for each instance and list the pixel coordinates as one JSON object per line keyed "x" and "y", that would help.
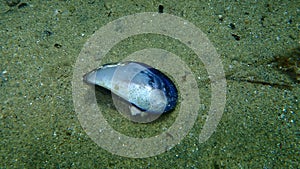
{"x": 221, "y": 18}
{"x": 232, "y": 25}
{"x": 160, "y": 9}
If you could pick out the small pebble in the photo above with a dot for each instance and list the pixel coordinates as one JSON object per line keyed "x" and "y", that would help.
{"x": 232, "y": 26}
{"x": 221, "y": 18}
{"x": 57, "y": 45}
{"x": 160, "y": 9}
{"x": 236, "y": 37}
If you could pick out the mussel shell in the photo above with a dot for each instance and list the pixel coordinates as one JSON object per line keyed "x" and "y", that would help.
{"x": 143, "y": 86}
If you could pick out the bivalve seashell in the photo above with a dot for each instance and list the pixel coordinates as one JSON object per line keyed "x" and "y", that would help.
{"x": 144, "y": 87}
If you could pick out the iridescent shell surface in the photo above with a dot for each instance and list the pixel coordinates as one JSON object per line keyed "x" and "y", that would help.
{"x": 139, "y": 84}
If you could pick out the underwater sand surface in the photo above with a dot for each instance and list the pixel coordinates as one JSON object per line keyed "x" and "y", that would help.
{"x": 39, "y": 45}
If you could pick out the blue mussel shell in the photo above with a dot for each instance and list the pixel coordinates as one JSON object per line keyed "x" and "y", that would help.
{"x": 139, "y": 84}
